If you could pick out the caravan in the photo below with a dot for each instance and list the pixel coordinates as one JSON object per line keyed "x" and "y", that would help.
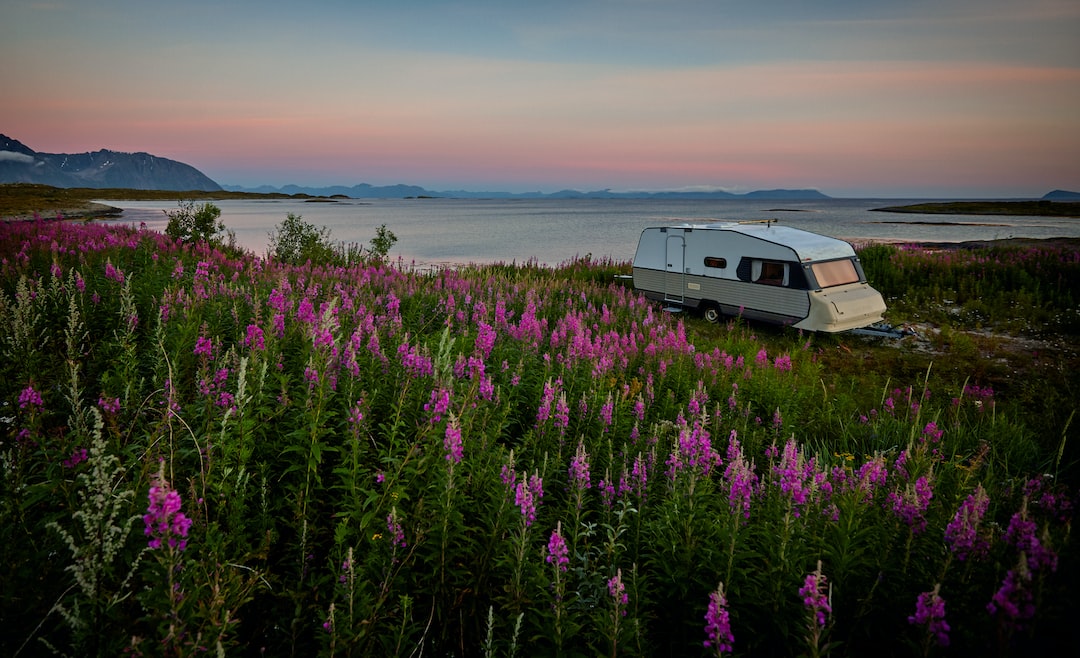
{"x": 757, "y": 270}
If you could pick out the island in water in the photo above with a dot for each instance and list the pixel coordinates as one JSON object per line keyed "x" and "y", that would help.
{"x": 1040, "y": 208}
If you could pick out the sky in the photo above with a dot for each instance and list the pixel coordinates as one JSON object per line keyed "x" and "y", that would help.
{"x": 855, "y": 98}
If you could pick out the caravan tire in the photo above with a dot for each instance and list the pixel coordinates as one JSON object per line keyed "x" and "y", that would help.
{"x": 712, "y": 313}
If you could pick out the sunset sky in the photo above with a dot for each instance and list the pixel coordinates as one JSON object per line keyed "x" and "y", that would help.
{"x": 856, "y": 98}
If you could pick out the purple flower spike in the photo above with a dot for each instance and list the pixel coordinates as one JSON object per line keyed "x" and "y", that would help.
{"x": 815, "y": 597}
{"x": 165, "y": 523}
{"x": 558, "y": 553}
{"x": 930, "y": 612}
{"x": 718, "y": 623}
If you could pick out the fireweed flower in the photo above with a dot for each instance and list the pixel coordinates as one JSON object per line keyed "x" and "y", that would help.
{"x": 1022, "y": 534}
{"x": 699, "y": 400}
{"x": 606, "y": 411}
{"x": 932, "y": 433}
{"x": 795, "y": 475}
{"x": 962, "y": 533}
{"x": 356, "y": 415}
{"x": 328, "y": 625}
{"x": 547, "y": 399}
{"x": 814, "y": 596}
{"x": 112, "y": 273}
{"x": 558, "y": 553}
{"x": 718, "y": 623}
{"x": 204, "y": 347}
{"x": 869, "y": 477}
{"x": 485, "y": 339}
{"x": 527, "y": 495}
{"x": 639, "y": 476}
{"x": 254, "y": 338}
{"x": 79, "y": 456}
{"x": 762, "y": 358}
{"x": 693, "y": 447}
{"x": 1013, "y": 601}
{"x": 109, "y": 405}
{"x": 562, "y": 413}
{"x": 452, "y": 442}
{"x": 30, "y": 398}
{"x": 164, "y": 520}
{"x": 910, "y": 503}
{"x": 579, "y": 468}
{"x": 507, "y": 474}
{"x": 607, "y": 490}
{"x": 346, "y": 567}
{"x": 438, "y": 404}
{"x": 617, "y": 590}
{"x": 930, "y": 612}
{"x": 415, "y": 362}
{"x": 740, "y": 478}
{"x": 394, "y": 529}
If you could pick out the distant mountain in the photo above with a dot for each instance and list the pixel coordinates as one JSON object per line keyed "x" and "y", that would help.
{"x": 98, "y": 170}
{"x": 365, "y": 191}
{"x": 361, "y": 191}
{"x": 1061, "y": 195}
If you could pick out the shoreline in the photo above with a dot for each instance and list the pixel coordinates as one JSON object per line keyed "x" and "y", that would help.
{"x": 93, "y": 210}
{"x": 89, "y": 211}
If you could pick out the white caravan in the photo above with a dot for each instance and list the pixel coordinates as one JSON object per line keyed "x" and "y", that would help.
{"x": 757, "y": 270}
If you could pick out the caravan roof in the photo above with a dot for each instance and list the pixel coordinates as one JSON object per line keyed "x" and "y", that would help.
{"x": 808, "y": 246}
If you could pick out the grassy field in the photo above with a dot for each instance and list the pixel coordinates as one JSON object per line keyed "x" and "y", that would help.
{"x": 205, "y": 451}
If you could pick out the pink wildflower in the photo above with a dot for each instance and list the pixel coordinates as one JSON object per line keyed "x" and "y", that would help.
{"x": 164, "y": 520}
{"x": 718, "y": 623}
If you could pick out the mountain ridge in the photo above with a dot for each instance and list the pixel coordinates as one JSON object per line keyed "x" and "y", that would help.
{"x": 367, "y": 191}
{"x": 99, "y": 169}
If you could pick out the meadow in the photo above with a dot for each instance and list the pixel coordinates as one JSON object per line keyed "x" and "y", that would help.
{"x": 206, "y": 451}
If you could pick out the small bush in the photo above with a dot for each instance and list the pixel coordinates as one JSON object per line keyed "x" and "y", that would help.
{"x": 382, "y": 242}
{"x": 295, "y": 241}
{"x": 191, "y": 223}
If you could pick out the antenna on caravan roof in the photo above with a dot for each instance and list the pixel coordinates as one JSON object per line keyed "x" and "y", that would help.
{"x": 760, "y": 221}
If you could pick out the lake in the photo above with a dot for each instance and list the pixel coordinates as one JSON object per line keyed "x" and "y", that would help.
{"x": 553, "y": 231}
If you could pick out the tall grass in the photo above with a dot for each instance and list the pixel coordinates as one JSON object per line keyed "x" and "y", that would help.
{"x": 373, "y": 460}
{"x": 1023, "y": 289}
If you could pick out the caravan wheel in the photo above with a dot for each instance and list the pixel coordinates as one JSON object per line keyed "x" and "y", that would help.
{"x": 712, "y": 313}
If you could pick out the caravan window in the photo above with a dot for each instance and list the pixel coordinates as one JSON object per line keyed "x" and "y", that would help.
{"x": 713, "y": 261}
{"x": 835, "y": 272}
{"x": 769, "y": 272}
{"x": 772, "y": 273}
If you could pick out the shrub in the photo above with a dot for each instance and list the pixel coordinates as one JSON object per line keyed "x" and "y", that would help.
{"x": 295, "y": 241}
{"x": 191, "y": 223}
{"x": 382, "y": 242}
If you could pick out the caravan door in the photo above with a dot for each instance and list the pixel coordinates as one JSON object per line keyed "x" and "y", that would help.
{"x": 675, "y": 273}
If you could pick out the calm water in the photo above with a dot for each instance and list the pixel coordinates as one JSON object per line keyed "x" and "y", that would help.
{"x": 553, "y": 231}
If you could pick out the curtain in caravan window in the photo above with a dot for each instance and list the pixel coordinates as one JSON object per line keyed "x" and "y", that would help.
{"x": 769, "y": 272}
{"x": 835, "y": 273}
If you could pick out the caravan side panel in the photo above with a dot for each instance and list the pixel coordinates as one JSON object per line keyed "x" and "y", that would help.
{"x": 650, "y": 282}
{"x": 772, "y": 303}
